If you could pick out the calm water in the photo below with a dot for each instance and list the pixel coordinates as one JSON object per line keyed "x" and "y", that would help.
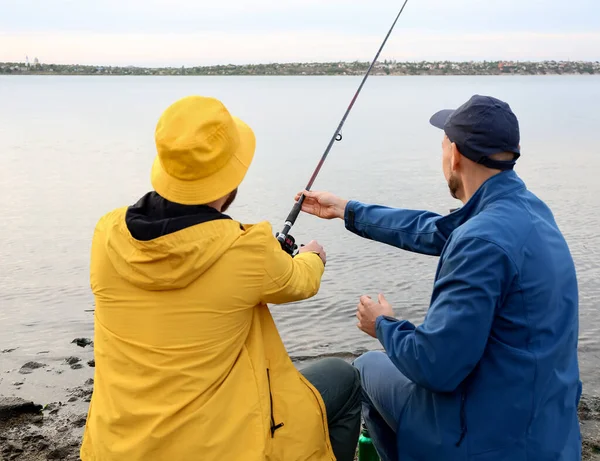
{"x": 73, "y": 148}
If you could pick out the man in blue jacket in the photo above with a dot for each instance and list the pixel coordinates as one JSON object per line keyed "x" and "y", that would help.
{"x": 491, "y": 373}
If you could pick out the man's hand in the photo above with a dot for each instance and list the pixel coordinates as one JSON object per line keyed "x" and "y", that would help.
{"x": 323, "y": 204}
{"x": 368, "y": 311}
{"x": 315, "y": 247}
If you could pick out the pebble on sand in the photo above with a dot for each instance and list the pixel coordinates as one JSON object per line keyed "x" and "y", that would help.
{"x": 30, "y": 366}
{"x": 11, "y": 407}
{"x": 83, "y": 342}
{"x": 72, "y": 360}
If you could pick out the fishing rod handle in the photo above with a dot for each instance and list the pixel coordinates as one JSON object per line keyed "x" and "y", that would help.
{"x": 291, "y": 219}
{"x": 295, "y": 212}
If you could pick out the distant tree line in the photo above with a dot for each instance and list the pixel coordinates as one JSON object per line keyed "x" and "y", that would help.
{"x": 328, "y": 68}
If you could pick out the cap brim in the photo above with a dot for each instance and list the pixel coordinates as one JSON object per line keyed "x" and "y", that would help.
{"x": 213, "y": 187}
{"x": 439, "y": 119}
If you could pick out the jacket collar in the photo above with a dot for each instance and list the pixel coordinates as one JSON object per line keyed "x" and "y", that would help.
{"x": 154, "y": 216}
{"x": 495, "y": 187}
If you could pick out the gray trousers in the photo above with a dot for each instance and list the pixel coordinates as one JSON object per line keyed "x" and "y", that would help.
{"x": 338, "y": 382}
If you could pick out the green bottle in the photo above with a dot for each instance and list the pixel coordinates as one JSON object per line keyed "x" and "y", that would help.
{"x": 366, "y": 449}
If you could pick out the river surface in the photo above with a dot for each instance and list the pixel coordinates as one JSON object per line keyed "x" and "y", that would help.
{"x": 73, "y": 148}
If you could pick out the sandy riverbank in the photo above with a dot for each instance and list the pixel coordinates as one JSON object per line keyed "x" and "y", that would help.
{"x": 32, "y": 430}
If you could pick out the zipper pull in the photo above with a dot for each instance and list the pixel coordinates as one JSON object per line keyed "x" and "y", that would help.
{"x": 274, "y": 428}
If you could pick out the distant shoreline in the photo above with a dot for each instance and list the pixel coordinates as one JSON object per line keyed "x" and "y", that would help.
{"x": 52, "y": 74}
{"x": 385, "y": 68}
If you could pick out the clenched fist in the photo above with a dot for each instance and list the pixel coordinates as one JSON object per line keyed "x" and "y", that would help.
{"x": 367, "y": 312}
{"x": 315, "y": 247}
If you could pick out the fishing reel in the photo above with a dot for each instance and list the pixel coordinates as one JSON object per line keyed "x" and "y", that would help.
{"x": 288, "y": 244}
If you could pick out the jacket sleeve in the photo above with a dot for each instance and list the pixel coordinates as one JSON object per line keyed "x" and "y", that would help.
{"x": 288, "y": 279}
{"x": 410, "y": 230}
{"x": 474, "y": 278}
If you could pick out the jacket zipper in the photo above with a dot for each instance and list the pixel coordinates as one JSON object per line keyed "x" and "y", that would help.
{"x": 463, "y": 418}
{"x": 274, "y": 426}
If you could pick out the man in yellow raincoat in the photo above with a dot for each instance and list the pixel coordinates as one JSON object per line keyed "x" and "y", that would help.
{"x": 189, "y": 364}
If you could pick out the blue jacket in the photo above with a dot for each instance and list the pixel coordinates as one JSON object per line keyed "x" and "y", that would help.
{"x": 495, "y": 360}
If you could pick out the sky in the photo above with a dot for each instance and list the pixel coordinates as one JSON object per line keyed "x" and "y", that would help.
{"x": 201, "y": 32}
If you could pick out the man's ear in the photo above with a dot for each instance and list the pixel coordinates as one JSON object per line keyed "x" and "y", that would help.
{"x": 455, "y": 157}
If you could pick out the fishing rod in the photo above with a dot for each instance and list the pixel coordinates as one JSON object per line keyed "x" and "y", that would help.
{"x": 287, "y": 241}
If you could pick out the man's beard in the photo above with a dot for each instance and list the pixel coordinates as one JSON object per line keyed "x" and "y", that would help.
{"x": 229, "y": 200}
{"x": 454, "y": 185}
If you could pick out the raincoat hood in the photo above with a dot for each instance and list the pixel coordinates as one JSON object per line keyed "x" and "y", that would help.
{"x": 160, "y": 245}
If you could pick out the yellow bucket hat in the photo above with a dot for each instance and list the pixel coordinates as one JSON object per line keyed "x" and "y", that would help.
{"x": 203, "y": 151}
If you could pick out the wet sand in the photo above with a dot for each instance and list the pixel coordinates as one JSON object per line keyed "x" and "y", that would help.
{"x": 33, "y": 430}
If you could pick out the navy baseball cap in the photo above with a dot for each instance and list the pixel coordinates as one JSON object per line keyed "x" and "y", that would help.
{"x": 481, "y": 127}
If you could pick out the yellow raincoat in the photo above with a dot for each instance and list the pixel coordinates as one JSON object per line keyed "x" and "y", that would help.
{"x": 189, "y": 364}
